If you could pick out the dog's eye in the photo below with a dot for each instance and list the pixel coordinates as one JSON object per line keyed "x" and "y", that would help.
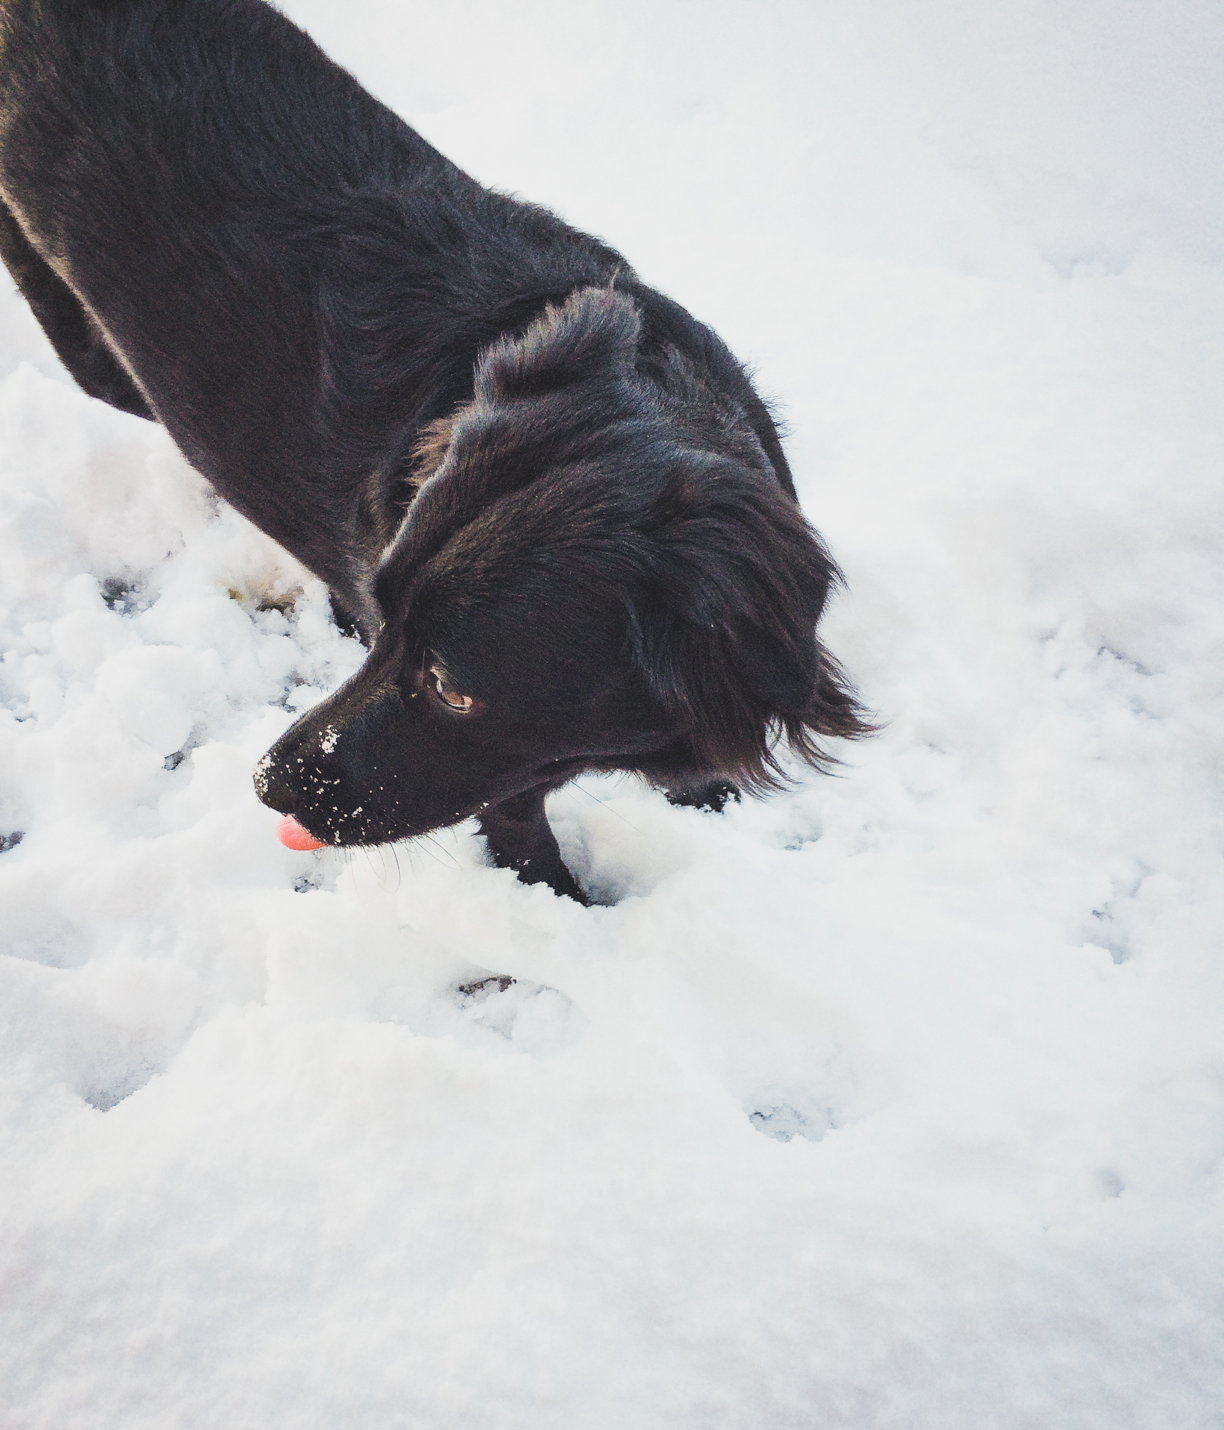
{"x": 447, "y": 693}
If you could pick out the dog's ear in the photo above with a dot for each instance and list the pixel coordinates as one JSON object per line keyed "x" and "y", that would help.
{"x": 575, "y": 365}
{"x": 725, "y": 628}
{"x": 591, "y": 337}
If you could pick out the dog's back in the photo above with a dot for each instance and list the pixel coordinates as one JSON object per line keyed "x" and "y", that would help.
{"x": 190, "y": 172}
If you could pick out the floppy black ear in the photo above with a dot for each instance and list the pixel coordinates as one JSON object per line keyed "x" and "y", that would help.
{"x": 726, "y": 633}
{"x": 576, "y": 363}
{"x": 593, "y": 335}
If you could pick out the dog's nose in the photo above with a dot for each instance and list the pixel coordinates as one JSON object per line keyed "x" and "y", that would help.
{"x": 270, "y": 790}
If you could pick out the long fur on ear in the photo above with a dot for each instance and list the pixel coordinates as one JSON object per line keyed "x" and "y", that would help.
{"x": 592, "y": 337}
{"x": 574, "y": 365}
{"x": 725, "y": 632}
{"x": 594, "y": 330}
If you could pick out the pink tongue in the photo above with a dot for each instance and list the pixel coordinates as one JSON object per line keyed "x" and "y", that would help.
{"x": 294, "y": 836}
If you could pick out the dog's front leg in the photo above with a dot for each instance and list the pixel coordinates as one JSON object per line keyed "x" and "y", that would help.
{"x": 519, "y": 838}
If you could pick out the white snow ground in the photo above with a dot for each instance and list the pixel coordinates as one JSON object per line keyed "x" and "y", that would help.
{"x": 894, "y": 1101}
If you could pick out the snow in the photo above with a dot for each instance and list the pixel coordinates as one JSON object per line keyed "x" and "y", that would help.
{"x": 892, "y": 1101}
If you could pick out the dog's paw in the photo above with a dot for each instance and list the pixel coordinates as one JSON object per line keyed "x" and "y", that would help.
{"x": 714, "y": 795}
{"x": 563, "y": 883}
{"x": 552, "y": 873}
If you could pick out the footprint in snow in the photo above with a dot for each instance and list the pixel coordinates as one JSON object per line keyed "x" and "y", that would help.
{"x": 496, "y": 1009}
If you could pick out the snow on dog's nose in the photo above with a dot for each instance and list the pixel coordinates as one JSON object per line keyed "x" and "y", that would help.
{"x": 296, "y": 836}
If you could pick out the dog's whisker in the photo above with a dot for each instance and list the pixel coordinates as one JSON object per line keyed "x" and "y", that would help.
{"x": 442, "y": 849}
{"x": 379, "y": 870}
{"x": 604, "y": 803}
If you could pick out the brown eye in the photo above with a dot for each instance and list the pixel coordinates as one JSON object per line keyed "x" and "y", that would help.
{"x": 447, "y": 693}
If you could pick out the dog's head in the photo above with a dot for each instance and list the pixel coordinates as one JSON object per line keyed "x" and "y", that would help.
{"x": 599, "y": 571}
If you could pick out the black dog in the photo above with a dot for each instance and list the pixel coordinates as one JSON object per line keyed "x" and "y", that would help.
{"x": 547, "y": 498}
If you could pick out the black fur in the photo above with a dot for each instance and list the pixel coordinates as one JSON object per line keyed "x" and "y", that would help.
{"x": 525, "y": 476}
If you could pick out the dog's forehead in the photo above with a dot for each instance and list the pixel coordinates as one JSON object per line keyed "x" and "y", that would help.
{"x": 458, "y": 544}
{"x": 521, "y": 574}
{"x": 505, "y": 636}
{"x": 499, "y": 473}
{"x": 513, "y": 599}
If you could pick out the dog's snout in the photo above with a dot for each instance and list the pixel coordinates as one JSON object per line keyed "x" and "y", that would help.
{"x": 290, "y": 773}
{"x": 270, "y": 785}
